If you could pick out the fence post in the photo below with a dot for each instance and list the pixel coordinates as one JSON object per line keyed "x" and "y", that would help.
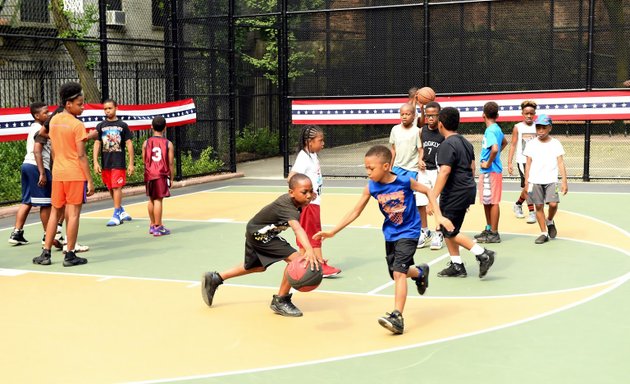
{"x": 283, "y": 85}
{"x": 589, "y": 87}
{"x": 232, "y": 83}
{"x": 102, "y": 25}
{"x": 172, "y": 37}
{"x": 426, "y": 46}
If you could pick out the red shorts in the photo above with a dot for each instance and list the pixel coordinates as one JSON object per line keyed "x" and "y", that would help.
{"x": 158, "y": 188}
{"x": 490, "y": 188}
{"x": 114, "y": 178}
{"x": 311, "y": 221}
{"x": 68, "y": 192}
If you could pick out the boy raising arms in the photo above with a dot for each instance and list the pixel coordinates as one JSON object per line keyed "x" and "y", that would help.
{"x": 264, "y": 246}
{"x": 455, "y": 185}
{"x": 401, "y": 228}
{"x": 544, "y": 161}
{"x": 113, "y": 135}
{"x": 159, "y": 170}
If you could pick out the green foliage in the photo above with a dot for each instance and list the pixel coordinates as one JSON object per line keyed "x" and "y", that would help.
{"x": 12, "y": 158}
{"x": 260, "y": 141}
{"x": 206, "y": 163}
{"x": 80, "y": 25}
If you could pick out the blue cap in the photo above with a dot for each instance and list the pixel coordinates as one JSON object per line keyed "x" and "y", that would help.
{"x": 543, "y": 120}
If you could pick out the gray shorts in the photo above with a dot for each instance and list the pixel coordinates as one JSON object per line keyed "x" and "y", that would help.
{"x": 544, "y": 193}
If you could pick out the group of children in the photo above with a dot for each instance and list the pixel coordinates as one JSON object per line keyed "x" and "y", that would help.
{"x": 55, "y": 172}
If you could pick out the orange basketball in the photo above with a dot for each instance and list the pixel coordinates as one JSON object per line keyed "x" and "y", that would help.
{"x": 301, "y": 277}
{"x": 425, "y": 95}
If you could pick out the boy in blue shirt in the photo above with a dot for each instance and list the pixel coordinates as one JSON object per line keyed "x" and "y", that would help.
{"x": 401, "y": 228}
{"x": 491, "y": 173}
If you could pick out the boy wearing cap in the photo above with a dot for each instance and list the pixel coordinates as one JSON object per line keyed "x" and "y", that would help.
{"x": 544, "y": 161}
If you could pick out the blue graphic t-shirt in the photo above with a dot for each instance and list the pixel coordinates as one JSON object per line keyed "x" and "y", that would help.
{"x": 493, "y": 135}
{"x": 397, "y": 203}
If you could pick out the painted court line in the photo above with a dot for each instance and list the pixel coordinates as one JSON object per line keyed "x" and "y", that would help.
{"x": 391, "y": 282}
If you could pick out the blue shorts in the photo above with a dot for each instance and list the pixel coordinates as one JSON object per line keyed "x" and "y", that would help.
{"x": 32, "y": 193}
{"x": 404, "y": 172}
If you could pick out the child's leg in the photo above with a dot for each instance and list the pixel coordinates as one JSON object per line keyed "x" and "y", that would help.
{"x": 44, "y": 216}
{"x": 487, "y": 208}
{"x": 423, "y": 215}
{"x": 540, "y": 217}
{"x": 494, "y": 217}
{"x": 553, "y": 208}
{"x": 51, "y": 228}
{"x": 22, "y": 214}
{"x": 151, "y": 210}
{"x": 116, "y": 194}
{"x": 400, "y": 295}
{"x": 73, "y": 211}
{"x": 239, "y": 270}
{"x": 157, "y": 211}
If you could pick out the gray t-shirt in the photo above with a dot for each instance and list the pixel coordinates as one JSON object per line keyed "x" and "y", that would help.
{"x": 273, "y": 219}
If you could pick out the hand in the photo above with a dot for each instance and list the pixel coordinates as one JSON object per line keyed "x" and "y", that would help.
{"x": 323, "y": 235}
{"x": 564, "y": 188}
{"x": 97, "y": 168}
{"x": 130, "y": 170}
{"x": 430, "y": 210}
{"x": 90, "y": 188}
{"x": 446, "y": 224}
{"x": 42, "y": 180}
{"x": 310, "y": 259}
{"x": 510, "y": 169}
{"x": 483, "y": 165}
{"x": 422, "y": 165}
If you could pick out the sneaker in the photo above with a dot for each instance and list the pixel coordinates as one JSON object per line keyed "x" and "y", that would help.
{"x": 151, "y": 230}
{"x": 77, "y": 248}
{"x": 491, "y": 237}
{"x": 553, "y": 232}
{"x": 531, "y": 218}
{"x": 115, "y": 220}
{"x": 518, "y": 211}
{"x": 483, "y": 234}
{"x": 541, "y": 239}
{"x": 424, "y": 240}
{"x": 70, "y": 260}
{"x": 124, "y": 216}
{"x": 282, "y": 305}
{"x": 453, "y": 270}
{"x": 160, "y": 231}
{"x": 59, "y": 241}
{"x": 437, "y": 241}
{"x": 486, "y": 259}
{"x": 17, "y": 237}
{"x": 43, "y": 259}
{"x": 422, "y": 281}
{"x": 393, "y": 321}
{"x": 329, "y": 271}
{"x": 209, "y": 285}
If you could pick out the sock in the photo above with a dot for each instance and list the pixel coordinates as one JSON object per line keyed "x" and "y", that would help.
{"x": 544, "y": 233}
{"x": 520, "y": 201}
{"x": 477, "y": 249}
{"x": 456, "y": 259}
{"x": 547, "y": 221}
{"x": 530, "y": 207}
{"x": 488, "y": 228}
{"x": 426, "y": 231}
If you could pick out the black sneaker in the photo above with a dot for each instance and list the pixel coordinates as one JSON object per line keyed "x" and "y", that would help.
{"x": 70, "y": 259}
{"x": 453, "y": 270}
{"x": 486, "y": 259}
{"x": 209, "y": 285}
{"x": 483, "y": 234}
{"x": 17, "y": 237}
{"x": 551, "y": 229}
{"x": 393, "y": 321}
{"x": 541, "y": 239}
{"x": 422, "y": 281}
{"x": 43, "y": 259}
{"x": 282, "y": 305}
{"x": 492, "y": 237}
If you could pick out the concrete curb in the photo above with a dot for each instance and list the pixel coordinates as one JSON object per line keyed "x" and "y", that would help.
{"x": 135, "y": 190}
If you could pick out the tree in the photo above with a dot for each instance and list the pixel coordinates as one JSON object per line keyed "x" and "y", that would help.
{"x": 620, "y": 44}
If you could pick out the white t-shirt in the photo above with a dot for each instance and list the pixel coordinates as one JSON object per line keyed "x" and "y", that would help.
{"x": 407, "y": 142}
{"x": 29, "y": 158}
{"x": 308, "y": 164}
{"x": 525, "y": 134}
{"x": 544, "y": 167}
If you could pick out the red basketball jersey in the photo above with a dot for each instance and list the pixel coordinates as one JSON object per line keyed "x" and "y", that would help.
{"x": 156, "y": 158}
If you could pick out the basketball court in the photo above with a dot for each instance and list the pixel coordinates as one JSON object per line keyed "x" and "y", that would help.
{"x": 552, "y": 313}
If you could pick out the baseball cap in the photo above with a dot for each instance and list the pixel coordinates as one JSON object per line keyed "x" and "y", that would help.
{"x": 543, "y": 120}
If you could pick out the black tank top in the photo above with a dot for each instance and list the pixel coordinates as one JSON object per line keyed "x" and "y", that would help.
{"x": 431, "y": 140}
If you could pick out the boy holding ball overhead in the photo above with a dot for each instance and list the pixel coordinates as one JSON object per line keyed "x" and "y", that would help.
{"x": 264, "y": 247}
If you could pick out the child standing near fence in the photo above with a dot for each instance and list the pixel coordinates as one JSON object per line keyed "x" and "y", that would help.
{"x": 307, "y": 162}
{"x": 159, "y": 170}
{"x": 113, "y": 135}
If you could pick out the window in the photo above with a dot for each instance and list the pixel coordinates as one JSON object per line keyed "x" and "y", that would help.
{"x": 34, "y": 11}
{"x": 158, "y": 12}
{"x": 113, "y": 5}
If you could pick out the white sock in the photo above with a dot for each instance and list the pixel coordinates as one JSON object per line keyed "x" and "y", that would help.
{"x": 544, "y": 234}
{"x": 456, "y": 259}
{"x": 549, "y": 221}
{"x": 477, "y": 249}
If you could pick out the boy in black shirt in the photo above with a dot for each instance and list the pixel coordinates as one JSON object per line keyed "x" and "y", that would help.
{"x": 456, "y": 187}
{"x": 264, "y": 247}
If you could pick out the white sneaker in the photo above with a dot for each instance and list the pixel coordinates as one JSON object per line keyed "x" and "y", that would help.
{"x": 518, "y": 211}
{"x": 124, "y": 216}
{"x": 531, "y": 219}
{"x": 424, "y": 240}
{"x": 77, "y": 248}
{"x": 437, "y": 241}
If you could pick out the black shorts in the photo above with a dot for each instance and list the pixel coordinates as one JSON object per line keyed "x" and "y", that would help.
{"x": 399, "y": 255}
{"x": 457, "y": 218}
{"x": 521, "y": 172}
{"x": 259, "y": 254}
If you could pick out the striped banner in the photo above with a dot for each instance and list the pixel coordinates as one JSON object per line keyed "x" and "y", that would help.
{"x": 15, "y": 122}
{"x": 561, "y": 106}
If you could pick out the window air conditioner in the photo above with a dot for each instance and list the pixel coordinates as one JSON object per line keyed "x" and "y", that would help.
{"x": 115, "y": 18}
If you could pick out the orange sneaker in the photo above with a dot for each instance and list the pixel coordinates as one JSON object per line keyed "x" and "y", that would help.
{"x": 328, "y": 271}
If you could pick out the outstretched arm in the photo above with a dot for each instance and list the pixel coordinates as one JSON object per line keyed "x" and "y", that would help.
{"x": 348, "y": 218}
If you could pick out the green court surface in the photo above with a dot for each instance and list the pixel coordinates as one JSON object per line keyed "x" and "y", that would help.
{"x": 548, "y": 313}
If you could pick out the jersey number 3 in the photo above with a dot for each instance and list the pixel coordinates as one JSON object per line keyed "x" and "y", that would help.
{"x": 157, "y": 154}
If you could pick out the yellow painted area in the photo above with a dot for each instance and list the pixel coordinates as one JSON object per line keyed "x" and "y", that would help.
{"x": 76, "y": 329}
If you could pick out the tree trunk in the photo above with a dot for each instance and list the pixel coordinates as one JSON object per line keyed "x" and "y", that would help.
{"x": 620, "y": 44}
{"x": 77, "y": 53}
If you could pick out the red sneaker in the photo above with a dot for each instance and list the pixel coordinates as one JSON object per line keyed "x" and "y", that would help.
{"x": 329, "y": 271}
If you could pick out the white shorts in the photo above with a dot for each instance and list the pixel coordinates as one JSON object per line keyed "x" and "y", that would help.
{"x": 428, "y": 178}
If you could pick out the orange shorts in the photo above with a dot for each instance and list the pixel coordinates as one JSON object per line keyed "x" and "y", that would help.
{"x": 114, "y": 178}
{"x": 68, "y": 192}
{"x": 490, "y": 188}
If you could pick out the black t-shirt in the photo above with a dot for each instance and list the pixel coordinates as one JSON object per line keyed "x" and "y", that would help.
{"x": 460, "y": 189}
{"x": 273, "y": 219}
{"x": 431, "y": 140}
{"x": 113, "y": 136}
